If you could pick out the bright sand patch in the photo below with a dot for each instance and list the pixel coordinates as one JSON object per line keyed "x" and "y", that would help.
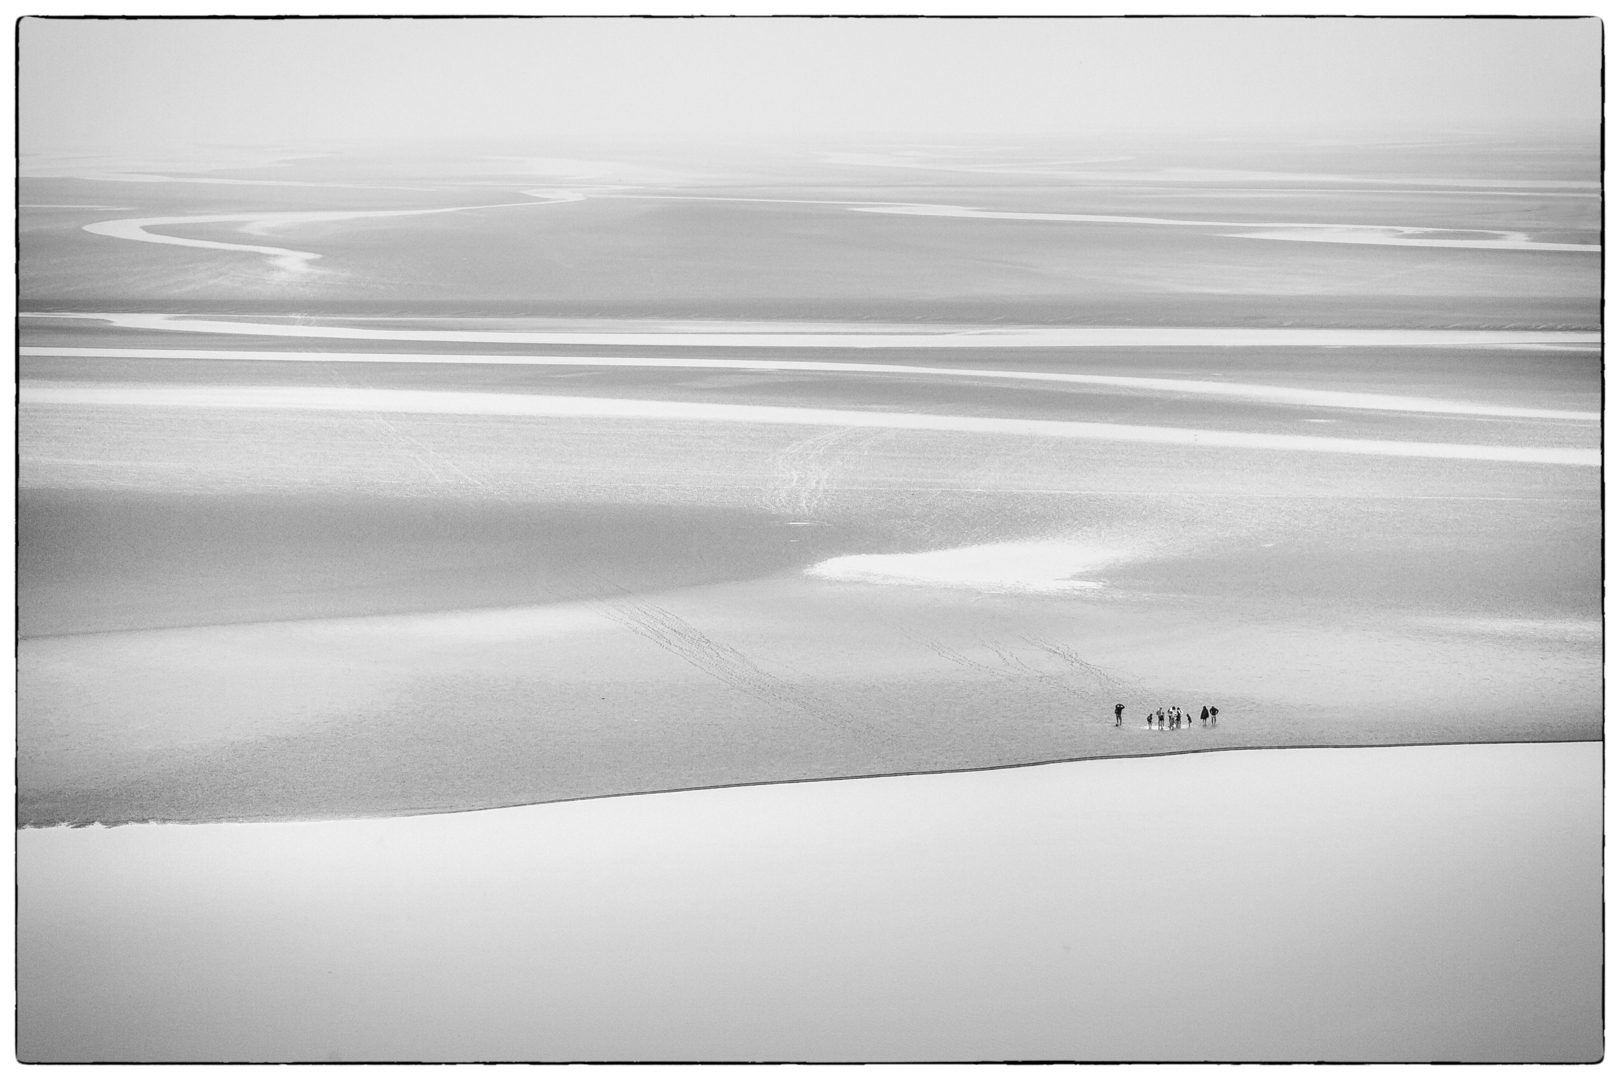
{"x": 1019, "y": 566}
{"x": 1416, "y": 903}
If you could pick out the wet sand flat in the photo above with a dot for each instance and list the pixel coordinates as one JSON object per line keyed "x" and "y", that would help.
{"x": 742, "y": 683}
{"x": 163, "y": 537}
{"x": 508, "y": 490}
{"x": 1369, "y": 903}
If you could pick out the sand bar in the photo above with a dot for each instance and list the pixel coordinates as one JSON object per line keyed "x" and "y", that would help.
{"x": 484, "y": 404}
{"x": 1280, "y": 395}
{"x": 1393, "y": 235}
{"x": 913, "y": 338}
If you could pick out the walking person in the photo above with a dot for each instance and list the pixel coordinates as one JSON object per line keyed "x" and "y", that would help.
{"x": 1213, "y": 713}
{"x": 1161, "y": 717}
{"x": 1204, "y": 716}
{"x": 1119, "y": 715}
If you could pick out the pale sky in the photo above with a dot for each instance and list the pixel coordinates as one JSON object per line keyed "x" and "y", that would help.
{"x": 153, "y": 83}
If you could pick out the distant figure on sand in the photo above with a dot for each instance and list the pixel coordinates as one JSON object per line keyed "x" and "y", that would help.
{"x": 1161, "y": 718}
{"x": 1213, "y": 712}
{"x": 1119, "y": 715}
{"x": 1204, "y": 716}
{"x": 1150, "y": 721}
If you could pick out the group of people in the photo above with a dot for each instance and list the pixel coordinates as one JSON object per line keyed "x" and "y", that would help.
{"x": 1172, "y": 718}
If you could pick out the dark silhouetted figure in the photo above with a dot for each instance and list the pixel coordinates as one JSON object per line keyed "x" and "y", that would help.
{"x": 1213, "y": 713}
{"x": 1119, "y": 715}
{"x": 1204, "y": 716}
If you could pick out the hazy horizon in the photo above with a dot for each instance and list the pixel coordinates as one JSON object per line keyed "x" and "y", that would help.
{"x": 151, "y": 83}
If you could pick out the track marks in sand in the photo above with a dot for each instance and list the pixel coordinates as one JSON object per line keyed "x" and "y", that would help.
{"x": 438, "y": 465}
{"x": 806, "y": 469}
{"x": 1015, "y": 665}
{"x": 722, "y": 662}
{"x": 718, "y": 660}
{"x": 1090, "y": 672}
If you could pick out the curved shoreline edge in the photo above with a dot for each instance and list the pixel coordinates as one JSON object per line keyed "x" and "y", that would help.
{"x": 968, "y": 769}
{"x": 288, "y": 261}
